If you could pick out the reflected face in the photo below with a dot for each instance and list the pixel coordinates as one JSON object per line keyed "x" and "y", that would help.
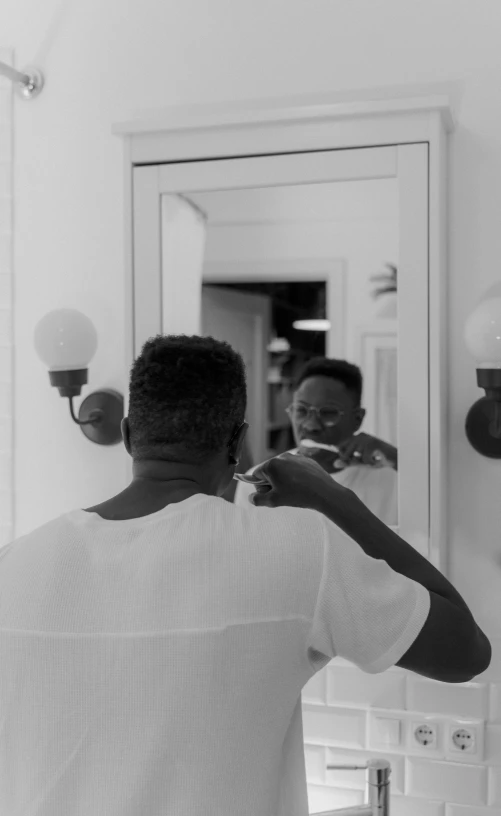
{"x": 330, "y": 395}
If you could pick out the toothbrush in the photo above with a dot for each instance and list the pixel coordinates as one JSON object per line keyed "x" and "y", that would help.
{"x": 310, "y": 443}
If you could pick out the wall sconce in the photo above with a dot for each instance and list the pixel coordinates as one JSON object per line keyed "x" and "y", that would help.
{"x": 483, "y": 338}
{"x": 66, "y": 341}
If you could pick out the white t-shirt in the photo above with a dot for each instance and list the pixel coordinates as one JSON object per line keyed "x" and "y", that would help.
{"x": 377, "y": 488}
{"x": 154, "y": 667}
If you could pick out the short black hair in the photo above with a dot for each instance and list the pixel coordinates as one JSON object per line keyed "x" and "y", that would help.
{"x": 347, "y": 373}
{"x": 187, "y": 396}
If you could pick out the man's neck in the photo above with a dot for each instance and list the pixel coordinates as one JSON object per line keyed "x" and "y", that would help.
{"x": 140, "y": 499}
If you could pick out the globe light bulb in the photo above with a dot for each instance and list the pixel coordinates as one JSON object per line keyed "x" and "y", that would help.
{"x": 482, "y": 332}
{"x": 65, "y": 340}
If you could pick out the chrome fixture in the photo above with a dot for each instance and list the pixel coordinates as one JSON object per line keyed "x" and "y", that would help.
{"x": 28, "y": 83}
{"x": 378, "y": 790}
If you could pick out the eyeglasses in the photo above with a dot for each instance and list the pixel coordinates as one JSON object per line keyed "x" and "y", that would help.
{"x": 243, "y": 425}
{"x": 328, "y": 417}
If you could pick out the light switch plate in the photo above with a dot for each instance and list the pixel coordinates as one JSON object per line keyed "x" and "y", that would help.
{"x": 387, "y": 731}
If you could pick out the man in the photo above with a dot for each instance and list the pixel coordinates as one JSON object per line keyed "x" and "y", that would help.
{"x": 153, "y": 648}
{"x": 326, "y": 408}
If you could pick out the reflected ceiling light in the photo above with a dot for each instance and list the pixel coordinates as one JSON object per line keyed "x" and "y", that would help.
{"x": 66, "y": 341}
{"x": 311, "y": 325}
{"x": 482, "y": 334}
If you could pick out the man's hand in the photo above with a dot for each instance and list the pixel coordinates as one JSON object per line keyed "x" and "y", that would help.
{"x": 295, "y": 481}
{"x": 363, "y": 449}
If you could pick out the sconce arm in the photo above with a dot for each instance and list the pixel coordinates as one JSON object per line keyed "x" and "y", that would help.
{"x": 96, "y": 414}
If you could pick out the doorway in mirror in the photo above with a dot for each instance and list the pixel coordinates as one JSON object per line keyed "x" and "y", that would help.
{"x": 260, "y": 320}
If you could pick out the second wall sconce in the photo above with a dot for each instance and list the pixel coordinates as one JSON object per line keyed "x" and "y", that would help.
{"x": 66, "y": 341}
{"x": 483, "y": 338}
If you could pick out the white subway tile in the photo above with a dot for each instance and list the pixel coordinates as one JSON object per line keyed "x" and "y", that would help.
{"x": 5, "y": 326}
{"x": 356, "y": 780}
{"x": 323, "y": 798}
{"x": 315, "y": 761}
{"x": 495, "y": 787}
{"x": 351, "y": 686}
{"x": 5, "y": 472}
{"x": 6, "y": 507}
{"x": 461, "y": 700}
{"x": 339, "y": 727}
{"x": 6, "y": 254}
{"x": 405, "y": 806}
{"x": 5, "y": 399}
{"x": 447, "y": 781}
{"x": 5, "y": 290}
{"x": 5, "y": 212}
{"x": 5, "y": 364}
{"x": 314, "y": 690}
{"x": 6, "y": 435}
{"x": 5, "y": 116}
{"x": 495, "y": 703}
{"x": 5, "y": 139}
{"x": 465, "y": 810}
{"x": 492, "y": 751}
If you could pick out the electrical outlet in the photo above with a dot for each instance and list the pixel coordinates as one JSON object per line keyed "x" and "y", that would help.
{"x": 425, "y": 734}
{"x": 465, "y": 739}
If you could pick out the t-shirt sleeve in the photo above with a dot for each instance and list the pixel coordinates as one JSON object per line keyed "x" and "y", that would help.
{"x": 365, "y": 612}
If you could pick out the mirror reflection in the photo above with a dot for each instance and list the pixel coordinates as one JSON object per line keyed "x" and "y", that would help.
{"x": 302, "y": 281}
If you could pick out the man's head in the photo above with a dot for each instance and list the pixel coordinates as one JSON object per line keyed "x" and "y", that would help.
{"x": 335, "y": 388}
{"x": 187, "y": 402}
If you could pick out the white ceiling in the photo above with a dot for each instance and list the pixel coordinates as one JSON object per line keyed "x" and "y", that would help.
{"x": 338, "y": 201}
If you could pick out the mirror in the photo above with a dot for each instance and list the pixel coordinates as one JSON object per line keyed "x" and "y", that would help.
{"x": 272, "y": 256}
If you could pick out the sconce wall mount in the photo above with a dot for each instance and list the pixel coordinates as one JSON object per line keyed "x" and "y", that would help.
{"x": 483, "y": 338}
{"x": 483, "y": 421}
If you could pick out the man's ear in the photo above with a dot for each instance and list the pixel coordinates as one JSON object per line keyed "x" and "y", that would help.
{"x": 236, "y": 446}
{"x": 124, "y": 427}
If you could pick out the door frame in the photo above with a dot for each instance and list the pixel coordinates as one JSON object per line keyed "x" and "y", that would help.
{"x": 330, "y": 271}
{"x": 257, "y": 401}
{"x": 363, "y": 119}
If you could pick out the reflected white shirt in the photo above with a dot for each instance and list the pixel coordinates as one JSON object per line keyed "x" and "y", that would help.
{"x": 377, "y": 488}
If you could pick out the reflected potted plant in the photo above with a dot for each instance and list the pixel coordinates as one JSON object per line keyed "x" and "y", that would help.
{"x": 387, "y": 292}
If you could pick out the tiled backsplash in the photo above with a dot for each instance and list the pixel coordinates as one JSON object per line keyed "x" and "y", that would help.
{"x": 349, "y": 716}
{"x": 6, "y": 309}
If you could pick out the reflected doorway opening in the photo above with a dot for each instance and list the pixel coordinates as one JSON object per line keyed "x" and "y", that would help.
{"x": 285, "y": 349}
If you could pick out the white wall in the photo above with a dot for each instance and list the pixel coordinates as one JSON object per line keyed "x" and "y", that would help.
{"x": 6, "y": 309}
{"x": 364, "y": 247}
{"x": 104, "y": 62}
